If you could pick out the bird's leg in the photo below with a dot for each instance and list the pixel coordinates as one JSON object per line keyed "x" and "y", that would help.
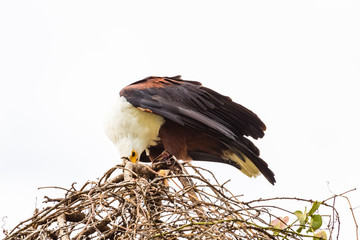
{"x": 164, "y": 155}
{"x": 164, "y": 161}
{"x": 168, "y": 161}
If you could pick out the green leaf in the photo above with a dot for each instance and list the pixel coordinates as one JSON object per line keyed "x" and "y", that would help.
{"x": 301, "y": 217}
{"x": 299, "y": 229}
{"x": 321, "y": 234}
{"x": 314, "y": 207}
{"x": 316, "y": 222}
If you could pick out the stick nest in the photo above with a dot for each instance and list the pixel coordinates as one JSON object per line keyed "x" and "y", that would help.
{"x": 178, "y": 205}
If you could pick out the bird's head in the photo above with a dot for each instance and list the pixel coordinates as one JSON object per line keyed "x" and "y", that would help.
{"x": 130, "y": 149}
{"x": 131, "y": 129}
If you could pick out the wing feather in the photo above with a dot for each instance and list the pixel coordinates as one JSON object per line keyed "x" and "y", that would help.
{"x": 190, "y": 104}
{"x": 189, "y": 99}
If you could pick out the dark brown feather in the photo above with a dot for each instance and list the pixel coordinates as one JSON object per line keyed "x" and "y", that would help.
{"x": 196, "y": 112}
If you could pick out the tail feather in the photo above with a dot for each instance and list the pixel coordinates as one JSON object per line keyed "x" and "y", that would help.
{"x": 246, "y": 165}
{"x": 238, "y": 160}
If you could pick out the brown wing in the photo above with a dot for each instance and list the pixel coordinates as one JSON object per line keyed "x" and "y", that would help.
{"x": 191, "y": 105}
{"x": 183, "y": 100}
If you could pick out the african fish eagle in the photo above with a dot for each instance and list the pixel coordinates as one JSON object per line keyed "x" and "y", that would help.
{"x": 189, "y": 121}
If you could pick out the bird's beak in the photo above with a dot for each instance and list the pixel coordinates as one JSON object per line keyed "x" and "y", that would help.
{"x": 134, "y": 160}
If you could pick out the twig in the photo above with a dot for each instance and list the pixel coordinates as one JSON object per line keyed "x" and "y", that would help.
{"x": 62, "y": 227}
{"x": 145, "y": 207}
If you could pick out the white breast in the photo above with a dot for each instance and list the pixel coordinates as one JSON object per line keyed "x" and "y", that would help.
{"x": 130, "y": 128}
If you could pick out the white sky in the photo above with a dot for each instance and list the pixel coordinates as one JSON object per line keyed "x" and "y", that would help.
{"x": 295, "y": 63}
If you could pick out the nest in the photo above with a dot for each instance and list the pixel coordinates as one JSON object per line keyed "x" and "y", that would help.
{"x": 140, "y": 203}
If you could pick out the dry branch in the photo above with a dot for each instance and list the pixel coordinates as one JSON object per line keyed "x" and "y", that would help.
{"x": 146, "y": 207}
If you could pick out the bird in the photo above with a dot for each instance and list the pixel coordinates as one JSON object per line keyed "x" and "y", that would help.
{"x": 189, "y": 121}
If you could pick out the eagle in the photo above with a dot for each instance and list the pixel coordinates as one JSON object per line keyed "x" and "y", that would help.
{"x": 189, "y": 121}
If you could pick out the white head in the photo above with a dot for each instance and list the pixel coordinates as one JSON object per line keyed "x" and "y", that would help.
{"x": 130, "y": 147}
{"x": 131, "y": 130}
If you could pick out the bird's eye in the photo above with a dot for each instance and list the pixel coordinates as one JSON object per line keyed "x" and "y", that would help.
{"x": 133, "y": 153}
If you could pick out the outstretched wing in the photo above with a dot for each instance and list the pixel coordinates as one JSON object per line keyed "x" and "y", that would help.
{"x": 190, "y": 104}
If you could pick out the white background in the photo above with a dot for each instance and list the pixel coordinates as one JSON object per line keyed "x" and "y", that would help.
{"x": 295, "y": 63}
